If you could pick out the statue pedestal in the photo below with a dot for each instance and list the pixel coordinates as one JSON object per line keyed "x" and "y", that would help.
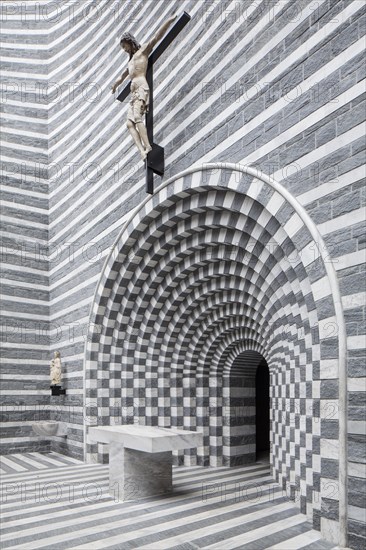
{"x": 57, "y": 389}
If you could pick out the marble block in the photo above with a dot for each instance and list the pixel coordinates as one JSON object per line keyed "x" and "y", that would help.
{"x": 136, "y": 474}
{"x": 149, "y": 439}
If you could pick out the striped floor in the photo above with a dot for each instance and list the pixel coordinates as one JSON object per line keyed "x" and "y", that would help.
{"x": 11, "y": 464}
{"x": 51, "y": 501}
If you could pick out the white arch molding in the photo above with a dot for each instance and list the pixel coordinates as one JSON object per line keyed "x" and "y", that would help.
{"x": 224, "y": 183}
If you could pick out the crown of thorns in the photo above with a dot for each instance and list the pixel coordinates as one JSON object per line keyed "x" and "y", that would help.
{"x": 128, "y": 37}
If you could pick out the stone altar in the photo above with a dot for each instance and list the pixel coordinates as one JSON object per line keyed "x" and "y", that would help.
{"x": 140, "y": 457}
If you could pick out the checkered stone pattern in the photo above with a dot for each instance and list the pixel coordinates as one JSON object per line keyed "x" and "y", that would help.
{"x": 211, "y": 267}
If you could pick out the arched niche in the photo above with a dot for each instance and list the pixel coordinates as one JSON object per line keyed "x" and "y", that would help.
{"x": 220, "y": 254}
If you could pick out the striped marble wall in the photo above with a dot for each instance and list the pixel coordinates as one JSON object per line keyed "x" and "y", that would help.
{"x": 273, "y": 84}
{"x": 25, "y": 394}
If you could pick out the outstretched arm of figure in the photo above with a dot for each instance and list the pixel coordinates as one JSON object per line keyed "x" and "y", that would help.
{"x": 148, "y": 47}
{"x": 119, "y": 80}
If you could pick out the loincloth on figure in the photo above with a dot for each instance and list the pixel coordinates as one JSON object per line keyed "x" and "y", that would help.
{"x": 139, "y": 104}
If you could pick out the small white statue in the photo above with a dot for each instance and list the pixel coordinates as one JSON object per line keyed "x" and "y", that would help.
{"x": 55, "y": 369}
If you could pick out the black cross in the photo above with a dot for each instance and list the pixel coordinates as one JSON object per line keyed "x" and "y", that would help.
{"x": 155, "y": 159}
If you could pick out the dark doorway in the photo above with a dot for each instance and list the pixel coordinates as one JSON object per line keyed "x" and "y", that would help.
{"x": 262, "y": 423}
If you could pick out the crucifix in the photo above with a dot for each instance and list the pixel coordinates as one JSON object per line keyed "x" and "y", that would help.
{"x": 140, "y": 71}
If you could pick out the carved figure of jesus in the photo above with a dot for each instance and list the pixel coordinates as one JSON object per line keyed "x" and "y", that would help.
{"x": 140, "y": 92}
{"x": 55, "y": 369}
